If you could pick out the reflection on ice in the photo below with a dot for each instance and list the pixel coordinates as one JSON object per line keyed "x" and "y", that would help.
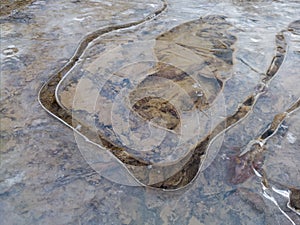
{"x": 152, "y": 103}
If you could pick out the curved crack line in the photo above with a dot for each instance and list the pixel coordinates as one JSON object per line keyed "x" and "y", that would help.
{"x": 254, "y": 151}
{"x": 192, "y": 167}
{"x": 271, "y": 130}
{"x": 47, "y": 95}
{"x": 192, "y": 163}
{"x": 248, "y": 65}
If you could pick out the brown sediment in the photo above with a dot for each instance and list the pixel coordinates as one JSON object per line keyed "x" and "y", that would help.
{"x": 47, "y": 93}
{"x": 295, "y": 199}
{"x": 158, "y": 110}
{"x": 191, "y": 168}
{"x": 192, "y": 162}
{"x": 48, "y": 99}
{"x": 7, "y": 6}
{"x": 188, "y": 171}
{"x": 277, "y": 121}
{"x": 278, "y": 58}
{"x": 295, "y": 106}
{"x": 274, "y": 125}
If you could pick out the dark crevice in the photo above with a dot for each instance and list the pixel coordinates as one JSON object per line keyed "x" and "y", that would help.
{"x": 47, "y": 93}
{"x": 191, "y": 163}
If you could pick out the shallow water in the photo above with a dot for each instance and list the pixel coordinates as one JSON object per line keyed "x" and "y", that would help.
{"x": 251, "y": 160}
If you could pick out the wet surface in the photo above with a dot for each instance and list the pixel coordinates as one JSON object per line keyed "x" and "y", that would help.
{"x": 8, "y": 7}
{"x": 207, "y": 106}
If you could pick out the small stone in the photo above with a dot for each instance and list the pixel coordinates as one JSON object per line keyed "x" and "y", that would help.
{"x": 291, "y": 138}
